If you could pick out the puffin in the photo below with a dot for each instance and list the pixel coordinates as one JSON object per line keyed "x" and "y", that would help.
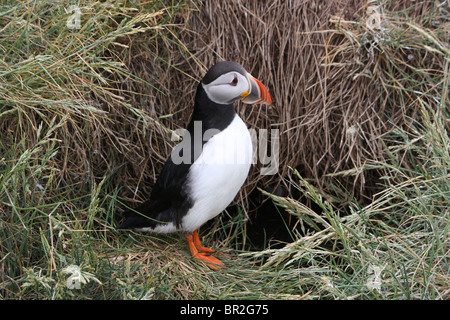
{"x": 206, "y": 170}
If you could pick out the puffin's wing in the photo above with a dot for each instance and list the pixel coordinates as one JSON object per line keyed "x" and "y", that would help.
{"x": 168, "y": 201}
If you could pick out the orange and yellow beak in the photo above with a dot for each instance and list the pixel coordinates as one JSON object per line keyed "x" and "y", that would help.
{"x": 257, "y": 92}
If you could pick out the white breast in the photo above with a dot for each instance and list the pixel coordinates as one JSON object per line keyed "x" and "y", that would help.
{"x": 218, "y": 173}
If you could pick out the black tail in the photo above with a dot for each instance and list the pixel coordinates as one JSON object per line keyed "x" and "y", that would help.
{"x": 138, "y": 218}
{"x": 134, "y": 222}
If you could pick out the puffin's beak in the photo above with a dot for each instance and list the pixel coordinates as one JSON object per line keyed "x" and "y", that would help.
{"x": 257, "y": 92}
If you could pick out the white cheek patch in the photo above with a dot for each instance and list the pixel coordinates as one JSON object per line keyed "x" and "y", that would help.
{"x": 222, "y": 91}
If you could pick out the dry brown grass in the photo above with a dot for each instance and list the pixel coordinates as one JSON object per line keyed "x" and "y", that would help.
{"x": 337, "y": 85}
{"x": 86, "y": 118}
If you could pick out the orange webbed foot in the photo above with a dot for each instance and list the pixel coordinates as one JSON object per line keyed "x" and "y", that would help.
{"x": 195, "y": 246}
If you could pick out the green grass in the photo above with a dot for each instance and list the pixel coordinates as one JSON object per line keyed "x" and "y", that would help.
{"x": 58, "y": 94}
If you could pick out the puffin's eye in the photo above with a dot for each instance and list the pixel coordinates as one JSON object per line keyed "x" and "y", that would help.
{"x": 234, "y": 82}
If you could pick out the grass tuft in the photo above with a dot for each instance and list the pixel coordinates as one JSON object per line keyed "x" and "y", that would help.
{"x": 86, "y": 114}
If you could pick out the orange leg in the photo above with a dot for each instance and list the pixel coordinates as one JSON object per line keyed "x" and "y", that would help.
{"x": 195, "y": 246}
{"x": 198, "y": 244}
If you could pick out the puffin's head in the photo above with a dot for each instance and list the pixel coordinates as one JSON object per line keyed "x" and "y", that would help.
{"x": 228, "y": 81}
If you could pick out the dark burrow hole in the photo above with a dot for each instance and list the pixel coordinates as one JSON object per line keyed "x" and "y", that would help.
{"x": 268, "y": 225}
